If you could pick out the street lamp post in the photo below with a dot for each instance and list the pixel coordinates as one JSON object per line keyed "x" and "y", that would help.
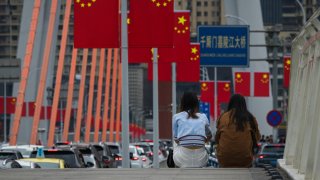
{"x": 304, "y": 18}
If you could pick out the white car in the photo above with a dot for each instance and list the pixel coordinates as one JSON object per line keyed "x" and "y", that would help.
{"x": 136, "y": 159}
{"x": 145, "y": 160}
{"x": 25, "y": 150}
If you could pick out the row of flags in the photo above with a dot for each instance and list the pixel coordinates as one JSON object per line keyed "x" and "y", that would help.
{"x": 45, "y": 110}
{"x": 97, "y": 23}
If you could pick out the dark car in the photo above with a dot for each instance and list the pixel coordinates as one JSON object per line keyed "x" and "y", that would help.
{"x": 10, "y": 154}
{"x": 72, "y": 157}
{"x": 269, "y": 154}
{"x": 106, "y": 156}
{"x": 115, "y": 149}
{"x": 90, "y": 154}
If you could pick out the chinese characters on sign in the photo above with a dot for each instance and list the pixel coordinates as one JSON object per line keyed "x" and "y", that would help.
{"x": 224, "y": 45}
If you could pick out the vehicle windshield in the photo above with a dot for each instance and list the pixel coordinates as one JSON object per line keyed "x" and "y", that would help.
{"x": 7, "y": 155}
{"x": 47, "y": 165}
{"x": 114, "y": 149}
{"x": 99, "y": 150}
{"x": 132, "y": 150}
{"x": 145, "y": 148}
{"x": 68, "y": 157}
{"x": 24, "y": 152}
{"x": 273, "y": 149}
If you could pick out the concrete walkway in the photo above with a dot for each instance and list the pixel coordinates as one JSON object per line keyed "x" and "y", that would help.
{"x": 134, "y": 174}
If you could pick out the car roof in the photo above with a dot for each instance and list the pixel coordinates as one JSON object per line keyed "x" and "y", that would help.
{"x": 49, "y": 160}
{"x": 9, "y": 150}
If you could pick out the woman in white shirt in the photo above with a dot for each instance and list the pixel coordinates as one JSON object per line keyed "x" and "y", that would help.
{"x": 190, "y": 131}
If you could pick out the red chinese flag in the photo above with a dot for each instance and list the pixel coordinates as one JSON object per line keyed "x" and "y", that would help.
{"x": 164, "y": 72}
{"x": 49, "y": 108}
{"x": 224, "y": 91}
{"x": 181, "y": 36}
{"x": 261, "y": 84}
{"x": 242, "y": 83}
{"x": 145, "y": 55}
{"x": 151, "y": 23}
{"x": 61, "y": 114}
{"x": 11, "y": 105}
{"x": 1, "y": 105}
{"x": 96, "y": 24}
{"x": 207, "y": 91}
{"x": 31, "y": 108}
{"x": 189, "y": 70}
{"x": 286, "y": 71}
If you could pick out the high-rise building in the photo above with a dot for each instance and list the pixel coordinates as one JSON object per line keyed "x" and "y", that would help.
{"x": 203, "y": 12}
{"x": 10, "y": 17}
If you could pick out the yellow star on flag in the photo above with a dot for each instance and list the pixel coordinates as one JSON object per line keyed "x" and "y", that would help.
{"x": 153, "y": 0}
{"x": 182, "y": 20}
{"x": 128, "y": 21}
{"x": 83, "y": 5}
{"x": 238, "y": 76}
{"x": 158, "y": 4}
{"x": 164, "y": 4}
{"x": 194, "y": 50}
{"x": 78, "y": 1}
{"x": 93, "y": 0}
{"x": 226, "y": 85}
{"x": 288, "y": 62}
{"x": 265, "y": 76}
{"x": 89, "y": 4}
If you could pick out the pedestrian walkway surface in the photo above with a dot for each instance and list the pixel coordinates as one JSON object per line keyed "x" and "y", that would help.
{"x": 135, "y": 174}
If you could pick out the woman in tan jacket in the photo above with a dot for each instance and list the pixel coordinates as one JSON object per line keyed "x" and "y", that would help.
{"x": 234, "y": 137}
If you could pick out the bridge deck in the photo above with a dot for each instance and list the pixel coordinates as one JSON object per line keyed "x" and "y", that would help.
{"x": 135, "y": 174}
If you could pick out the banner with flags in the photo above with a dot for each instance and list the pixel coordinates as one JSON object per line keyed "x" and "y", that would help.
{"x": 261, "y": 84}
{"x": 96, "y": 24}
{"x": 150, "y": 23}
{"x": 286, "y": 71}
{"x": 242, "y": 83}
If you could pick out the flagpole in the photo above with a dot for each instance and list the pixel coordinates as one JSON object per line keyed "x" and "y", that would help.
{"x": 125, "y": 92}
{"x": 215, "y": 94}
{"x": 174, "y": 93}
{"x": 155, "y": 110}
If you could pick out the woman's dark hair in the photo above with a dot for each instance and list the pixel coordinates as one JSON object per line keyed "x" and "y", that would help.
{"x": 190, "y": 104}
{"x": 239, "y": 112}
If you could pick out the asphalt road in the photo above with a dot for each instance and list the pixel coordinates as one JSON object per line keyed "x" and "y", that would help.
{"x": 134, "y": 174}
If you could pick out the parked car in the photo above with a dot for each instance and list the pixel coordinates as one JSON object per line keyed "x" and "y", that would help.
{"x": 47, "y": 163}
{"x": 25, "y": 150}
{"x": 72, "y": 157}
{"x": 269, "y": 154}
{"x": 107, "y": 157}
{"x": 10, "y": 154}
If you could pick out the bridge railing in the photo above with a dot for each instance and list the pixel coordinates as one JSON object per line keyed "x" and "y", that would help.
{"x": 302, "y": 153}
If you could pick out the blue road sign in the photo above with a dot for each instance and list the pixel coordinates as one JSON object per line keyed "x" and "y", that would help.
{"x": 205, "y": 109}
{"x": 224, "y": 46}
{"x": 274, "y": 118}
